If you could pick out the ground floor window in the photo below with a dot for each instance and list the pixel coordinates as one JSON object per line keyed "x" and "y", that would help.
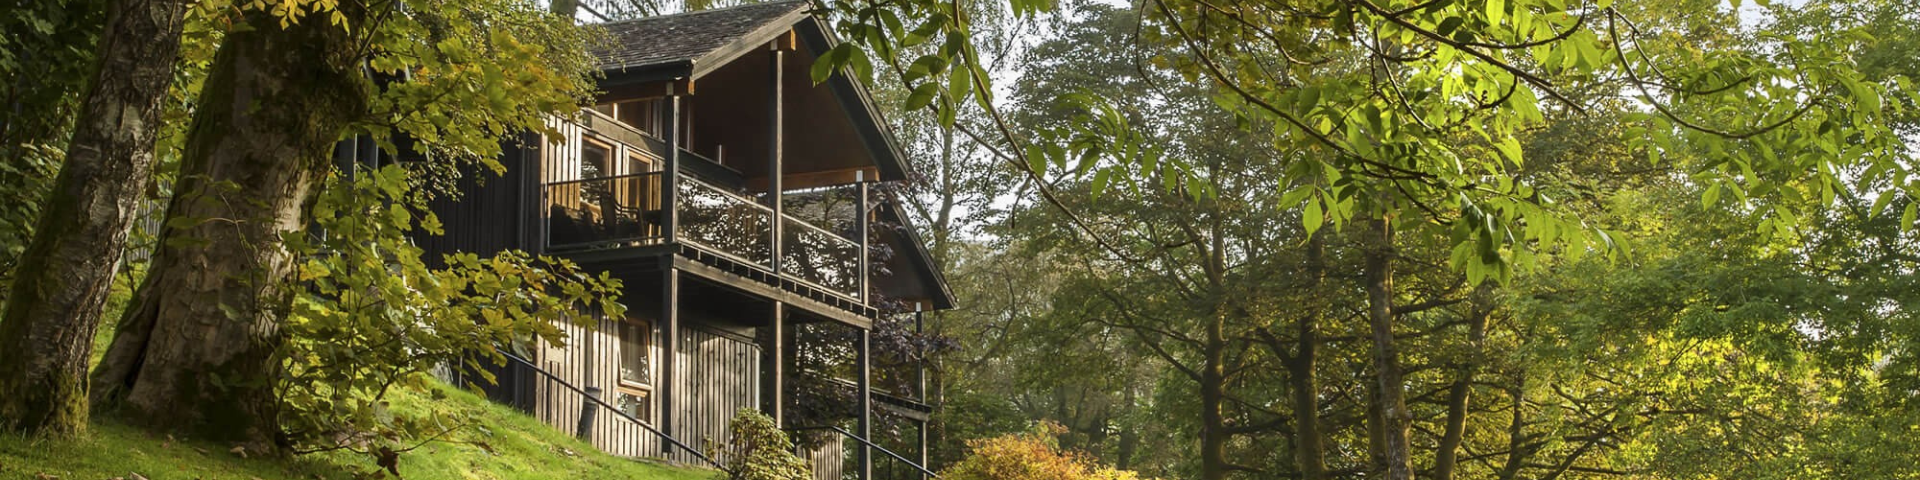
{"x": 635, "y": 394}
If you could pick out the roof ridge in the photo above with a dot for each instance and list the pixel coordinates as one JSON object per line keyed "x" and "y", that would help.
{"x": 698, "y": 12}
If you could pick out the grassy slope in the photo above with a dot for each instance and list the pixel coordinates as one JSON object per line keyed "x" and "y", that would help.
{"x": 523, "y": 448}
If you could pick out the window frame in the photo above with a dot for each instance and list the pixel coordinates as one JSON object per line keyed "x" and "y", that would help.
{"x": 624, "y": 386}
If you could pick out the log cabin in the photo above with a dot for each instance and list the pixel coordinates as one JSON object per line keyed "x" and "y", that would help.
{"x": 734, "y": 198}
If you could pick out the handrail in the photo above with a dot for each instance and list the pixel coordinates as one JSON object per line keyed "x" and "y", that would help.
{"x": 615, "y": 410}
{"x": 723, "y": 192}
{"x": 595, "y": 179}
{"x": 864, "y": 441}
{"x": 822, "y": 230}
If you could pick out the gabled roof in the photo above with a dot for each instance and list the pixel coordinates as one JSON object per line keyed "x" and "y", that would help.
{"x": 688, "y": 46}
{"x": 702, "y": 40}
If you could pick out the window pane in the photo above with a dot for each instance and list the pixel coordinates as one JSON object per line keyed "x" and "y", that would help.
{"x": 594, "y": 160}
{"x": 640, "y": 114}
{"x": 636, "y": 353}
{"x": 635, "y": 404}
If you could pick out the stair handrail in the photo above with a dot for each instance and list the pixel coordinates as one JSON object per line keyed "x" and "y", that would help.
{"x": 844, "y": 432}
{"x": 616, "y": 411}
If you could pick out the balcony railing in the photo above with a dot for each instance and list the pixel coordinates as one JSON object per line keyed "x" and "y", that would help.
{"x": 625, "y": 210}
{"x": 607, "y": 211}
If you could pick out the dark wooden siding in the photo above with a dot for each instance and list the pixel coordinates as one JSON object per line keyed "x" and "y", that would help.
{"x": 491, "y": 213}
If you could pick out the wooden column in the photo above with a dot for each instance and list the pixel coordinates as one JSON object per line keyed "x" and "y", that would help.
{"x": 670, "y": 176}
{"x": 863, "y": 222}
{"x": 865, "y": 454}
{"x": 920, "y": 379}
{"x": 776, "y": 148}
{"x": 670, "y": 276}
{"x": 773, "y": 363}
{"x": 670, "y": 350}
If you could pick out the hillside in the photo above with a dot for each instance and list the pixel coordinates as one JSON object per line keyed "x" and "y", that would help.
{"x": 521, "y": 448}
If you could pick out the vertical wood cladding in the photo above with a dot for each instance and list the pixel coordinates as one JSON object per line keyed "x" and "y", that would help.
{"x": 488, "y": 216}
{"x": 719, "y": 376}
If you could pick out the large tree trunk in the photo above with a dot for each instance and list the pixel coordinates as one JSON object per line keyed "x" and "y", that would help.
{"x": 1446, "y": 458}
{"x": 196, "y": 349}
{"x": 1213, "y": 397}
{"x": 1390, "y": 398}
{"x": 1129, "y": 434}
{"x": 1309, "y": 447}
{"x": 55, "y": 302}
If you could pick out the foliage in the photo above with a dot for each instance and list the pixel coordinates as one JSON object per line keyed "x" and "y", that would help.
{"x": 375, "y": 315}
{"x": 46, "y": 60}
{"x": 758, "y": 450}
{"x": 507, "y": 445}
{"x": 1029, "y": 456}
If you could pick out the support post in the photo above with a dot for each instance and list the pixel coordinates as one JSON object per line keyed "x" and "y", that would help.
{"x": 776, "y": 148}
{"x": 865, "y": 457}
{"x": 773, "y": 364}
{"x": 670, "y": 345}
{"x": 920, "y": 367}
{"x": 861, "y": 224}
{"x": 670, "y": 176}
{"x": 920, "y": 380}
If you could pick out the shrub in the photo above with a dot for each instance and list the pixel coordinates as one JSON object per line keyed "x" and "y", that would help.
{"x": 1033, "y": 455}
{"x": 759, "y": 450}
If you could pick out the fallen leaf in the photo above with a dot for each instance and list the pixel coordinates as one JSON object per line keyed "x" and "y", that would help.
{"x": 135, "y": 476}
{"x": 45, "y": 476}
{"x": 239, "y": 450}
{"x": 201, "y": 450}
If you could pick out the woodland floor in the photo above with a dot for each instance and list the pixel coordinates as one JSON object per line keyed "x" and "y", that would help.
{"x": 521, "y": 448}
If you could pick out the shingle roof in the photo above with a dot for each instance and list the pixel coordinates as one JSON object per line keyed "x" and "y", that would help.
{"x": 691, "y": 37}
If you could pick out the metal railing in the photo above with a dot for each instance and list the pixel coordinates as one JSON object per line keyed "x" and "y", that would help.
{"x": 616, "y": 410}
{"x": 724, "y": 222}
{"x": 626, "y": 210}
{"x": 814, "y": 255}
{"x": 844, "y": 433}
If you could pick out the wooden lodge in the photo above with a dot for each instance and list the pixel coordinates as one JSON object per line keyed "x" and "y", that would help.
{"x": 733, "y": 197}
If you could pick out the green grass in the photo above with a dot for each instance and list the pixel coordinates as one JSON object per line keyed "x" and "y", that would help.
{"x": 522, "y": 448}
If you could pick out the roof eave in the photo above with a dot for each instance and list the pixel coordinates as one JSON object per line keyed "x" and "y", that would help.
{"x": 858, "y": 104}
{"x": 929, "y": 271}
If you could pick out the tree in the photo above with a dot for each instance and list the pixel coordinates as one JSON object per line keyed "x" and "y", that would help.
{"x": 56, "y": 300}
{"x": 198, "y": 348}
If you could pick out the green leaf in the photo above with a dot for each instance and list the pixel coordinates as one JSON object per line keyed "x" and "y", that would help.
{"x": 1312, "y": 217}
{"x": 922, "y": 95}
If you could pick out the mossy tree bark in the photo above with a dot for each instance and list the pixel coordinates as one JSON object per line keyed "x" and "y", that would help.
{"x": 60, "y": 289}
{"x": 196, "y": 349}
{"x": 1309, "y": 442}
{"x": 1447, "y": 454}
{"x": 1391, "y": 449}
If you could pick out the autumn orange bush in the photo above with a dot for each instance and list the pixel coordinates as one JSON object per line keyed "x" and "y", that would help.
{"x": 1034, "y": 455}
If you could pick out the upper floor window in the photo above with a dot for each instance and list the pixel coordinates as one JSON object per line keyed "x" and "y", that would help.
{"x": 644, "y": 114}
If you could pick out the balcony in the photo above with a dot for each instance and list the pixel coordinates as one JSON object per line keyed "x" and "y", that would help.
{"x": 627, "y": 211}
